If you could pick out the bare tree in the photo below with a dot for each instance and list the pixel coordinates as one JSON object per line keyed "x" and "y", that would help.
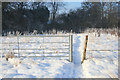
{"x": 55, "y": 7}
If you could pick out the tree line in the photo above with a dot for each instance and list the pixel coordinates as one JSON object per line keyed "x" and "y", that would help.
{"x": 29, "y": 16}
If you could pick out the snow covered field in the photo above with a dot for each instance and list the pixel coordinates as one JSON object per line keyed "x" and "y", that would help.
{"x": 98, "y": 64}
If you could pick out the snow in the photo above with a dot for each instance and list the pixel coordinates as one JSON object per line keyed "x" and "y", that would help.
{"x": 98, "y": 64}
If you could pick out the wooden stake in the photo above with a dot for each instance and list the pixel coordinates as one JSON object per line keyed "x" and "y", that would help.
{"x": 84, "y": 53}
{"x": 70, "y": 48}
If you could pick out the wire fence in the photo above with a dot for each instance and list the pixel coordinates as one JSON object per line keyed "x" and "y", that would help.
{"x": 99, "y": 47}
{"x": 38, "y": 46}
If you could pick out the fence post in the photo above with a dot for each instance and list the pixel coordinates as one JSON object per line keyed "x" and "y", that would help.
{"x": 18, "y": 46}
{"x": 70, "y": 48}
{"x": 84, "y": 53}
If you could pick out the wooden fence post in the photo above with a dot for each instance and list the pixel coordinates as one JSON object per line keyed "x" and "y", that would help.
{"x": 85, "y": 47}
{"x": 70, "y": 48}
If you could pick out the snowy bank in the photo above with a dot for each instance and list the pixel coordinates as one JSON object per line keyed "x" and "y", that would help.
{"x": 98, "y": 64}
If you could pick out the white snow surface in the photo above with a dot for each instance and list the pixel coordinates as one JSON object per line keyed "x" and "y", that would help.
{"x": 98, "y": 64}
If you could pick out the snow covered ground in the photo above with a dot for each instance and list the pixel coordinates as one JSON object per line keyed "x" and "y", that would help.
{"x": 98, "y": 64}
